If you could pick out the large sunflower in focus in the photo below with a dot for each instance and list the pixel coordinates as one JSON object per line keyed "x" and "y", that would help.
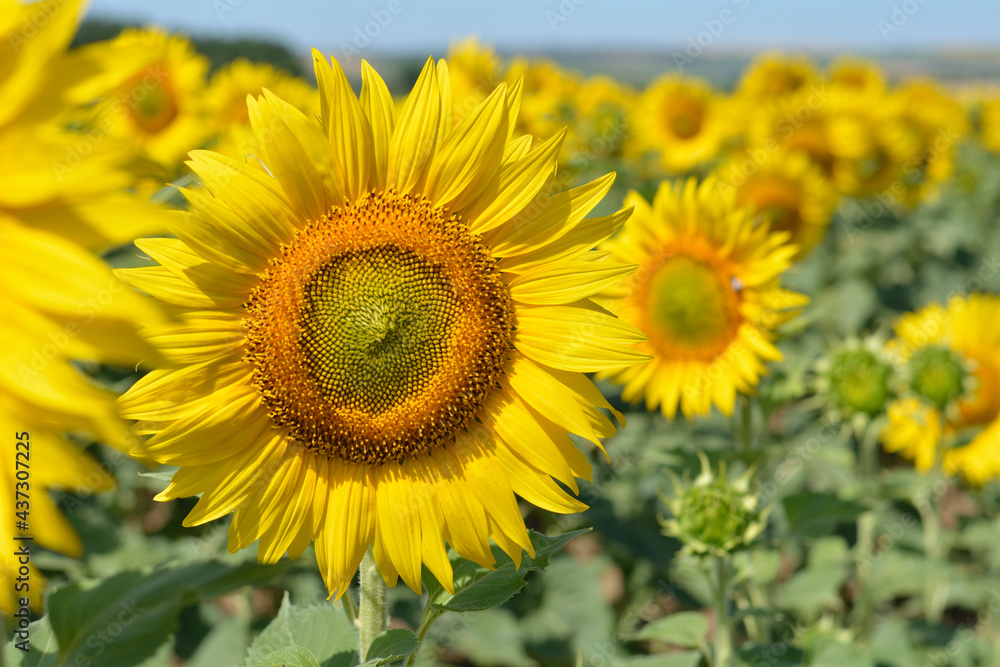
{"x": 952, "y": 357}
{"x": 385, "y": 341}
{"x": 707, "y": 294}
{"x": 680, "y": 119}
{"x": 60, "y": 198}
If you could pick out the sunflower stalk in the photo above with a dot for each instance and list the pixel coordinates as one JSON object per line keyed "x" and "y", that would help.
{"x": 430, "y": 615}
{"x": 722, "y": 646}
{"x": 867, "y": 521}
{"x": 936, "y": 590}
{"x": 746, "y": 426}
{"x": 373, "y": 615}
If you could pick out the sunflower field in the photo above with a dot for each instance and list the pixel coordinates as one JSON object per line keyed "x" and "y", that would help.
{"x": 496, "y": 364}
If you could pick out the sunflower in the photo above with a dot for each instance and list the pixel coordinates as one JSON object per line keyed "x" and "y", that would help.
{"x": 922, "y": 110}
{"x": 787, "y": 190}
{"x": 803, "y": 121}
{"x": 384, "y": 341}
{"x": 598, "y": 129}
{"x": 682, "y": 120}
{"x": 857, "y": 75}
{"x": 548, "y": 95}
{"x": 989, "y": 124}
{"x": 707, "y": 294}
{"x": 952, "y": 355}
{"x": 225, "y": 101}
{"x": 474, "y": 71}
{"x": 870, "y": 146}
{"x": 60, "y": 199}
{"x": 157, "y": 105}
{"x": 775, "y": 75}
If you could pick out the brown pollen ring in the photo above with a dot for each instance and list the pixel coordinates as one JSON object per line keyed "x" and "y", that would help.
{"x": 379, "y": 331}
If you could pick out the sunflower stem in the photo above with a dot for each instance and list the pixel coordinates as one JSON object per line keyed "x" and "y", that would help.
{"x": 722, "y": 646}
{"x": 746, "y": 426}
{"x": 350, "y": 608}
{"x": 430, "y": 615}
{"x": 867, "y": 521}
{"x": 373, "y": 616}
{"x": 936, "y": 590}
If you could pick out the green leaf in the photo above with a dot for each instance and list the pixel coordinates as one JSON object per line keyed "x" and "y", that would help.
{"x": 124, "y": 619}
{"x": 574, "y": 617}
{"x": 490, "y": 637}
{"x": 686, "y": 629}
{"x": 477, "y": 588}
{"x": 392, "y": 645}
{"x": 816, "y": 587}
{"x": 290, "y": 656}
{"x": 817, "y": 514}
{"x": 678, "y": 659}
{"x": 228, "y": 638}
{"x": 43, "y": 649}
{"x": 830, "y": 653}
{"x": 322, "y": 630}
{"x": 779, "y": 654}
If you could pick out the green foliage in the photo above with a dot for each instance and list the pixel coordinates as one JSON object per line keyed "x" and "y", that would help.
{"x": 477, "y": 588}
{"x": 320, "y": 633}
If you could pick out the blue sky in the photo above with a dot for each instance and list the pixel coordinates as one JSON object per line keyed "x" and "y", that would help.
{"x": 425, "y": 27}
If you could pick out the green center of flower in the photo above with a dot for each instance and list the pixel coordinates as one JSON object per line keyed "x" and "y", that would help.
{"x": 372, "y": 326}
{"x": 693, "y": 308}
{"x": 860, "y": 381}
{"x": 937, "y": 374}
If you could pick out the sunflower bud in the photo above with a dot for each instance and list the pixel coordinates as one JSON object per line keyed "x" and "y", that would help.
{"x": 938, "y": 375}
{"x": 713, "y": 515}
{"x": 859, "y": 381}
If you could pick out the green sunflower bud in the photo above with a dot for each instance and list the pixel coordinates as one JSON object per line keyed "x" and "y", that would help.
{"x": 714, "y": 515}
{"x": 937, "y": 374}
{"x": 859, "y": 381}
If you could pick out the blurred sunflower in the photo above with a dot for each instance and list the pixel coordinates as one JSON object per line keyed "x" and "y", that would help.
{"x": 786, "y": 190}
{"x": 225, "y": 101}
{"x": 952, "y": 354}
{"x": 857, "y": 75}
{"x": 158, "y": 105}
{"x": 798, "y": 122}
{"x": 598, "y": 129}
{"x": 989, "y": 124}
{"x": 548, "y": 95}
{"x": 681, "y": 119}
{"x": 60, "y": 198}
{"x": 869, "y": 145}
{"x": 475, "y": 72}
{"x": 922, "y": 110}
{"x": 386, "y": 340}
{"x": 707, "y": 294}
{"x": 774, "y": 75}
